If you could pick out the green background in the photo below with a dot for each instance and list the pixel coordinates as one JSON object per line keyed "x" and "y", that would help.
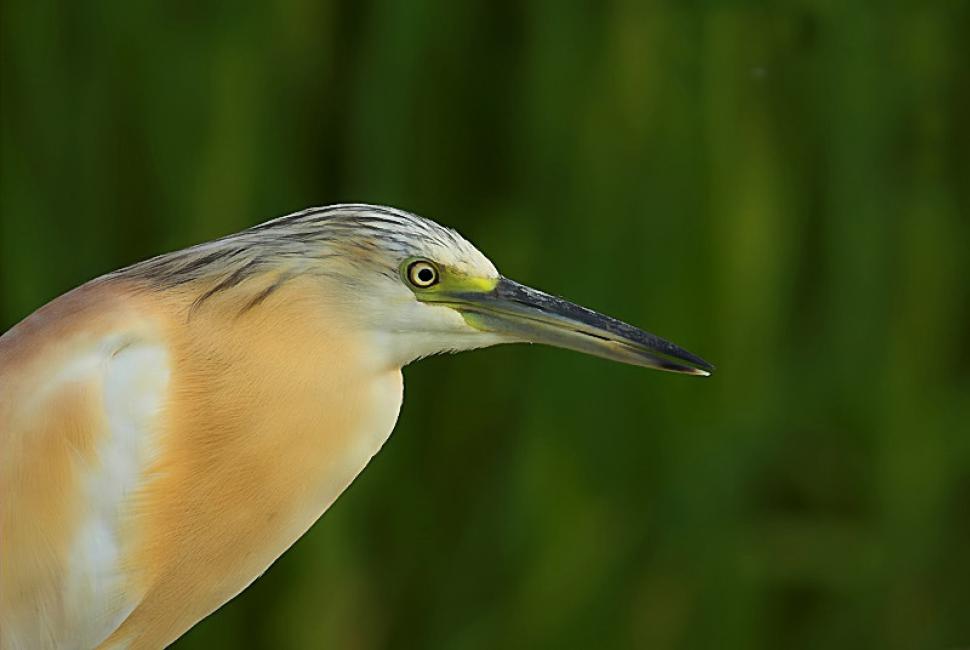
{"x": 783, "y": 189}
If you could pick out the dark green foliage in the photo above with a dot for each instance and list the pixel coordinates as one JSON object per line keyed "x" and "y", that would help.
{"x": 781, "y": 189}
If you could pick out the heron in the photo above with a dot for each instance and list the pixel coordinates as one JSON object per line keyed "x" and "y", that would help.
{"x": 169, "y": 429}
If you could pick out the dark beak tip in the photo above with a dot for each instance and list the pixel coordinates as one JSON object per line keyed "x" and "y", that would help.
{"x": 706, "y": 371}
{"x": 690, "y": 363}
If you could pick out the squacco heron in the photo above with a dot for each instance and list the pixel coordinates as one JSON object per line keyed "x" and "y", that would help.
{"x": 169, "y": 429}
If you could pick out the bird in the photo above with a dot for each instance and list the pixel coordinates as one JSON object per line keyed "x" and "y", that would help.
{"x": 169, "y": 429}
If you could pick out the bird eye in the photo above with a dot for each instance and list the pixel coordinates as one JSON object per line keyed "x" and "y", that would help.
{"x": 422, "y": 274}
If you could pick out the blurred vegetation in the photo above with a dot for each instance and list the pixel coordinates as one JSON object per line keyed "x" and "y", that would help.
{"x": 781, "y": 189}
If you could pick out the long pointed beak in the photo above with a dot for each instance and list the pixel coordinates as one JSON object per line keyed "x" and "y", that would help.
{"x": 525, "y": 314}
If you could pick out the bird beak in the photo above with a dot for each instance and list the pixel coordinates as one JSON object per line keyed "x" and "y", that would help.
{"x": 527, "y": 315}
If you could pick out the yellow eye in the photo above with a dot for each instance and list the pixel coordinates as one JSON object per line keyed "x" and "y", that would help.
{"x": 422, "y": 274}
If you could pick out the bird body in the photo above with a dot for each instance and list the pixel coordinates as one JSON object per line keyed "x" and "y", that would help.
{"x": 132, "y": 440}
{"x": 168, "y": 430}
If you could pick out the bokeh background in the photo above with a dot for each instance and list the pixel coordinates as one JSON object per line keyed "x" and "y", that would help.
{"x": 784, "y": 190}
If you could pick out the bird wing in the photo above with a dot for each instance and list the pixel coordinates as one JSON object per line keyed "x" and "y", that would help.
{"x": 82, "y": 382}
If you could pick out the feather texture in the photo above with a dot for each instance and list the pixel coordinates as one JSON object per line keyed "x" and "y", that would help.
{"x": 138, "y": 447}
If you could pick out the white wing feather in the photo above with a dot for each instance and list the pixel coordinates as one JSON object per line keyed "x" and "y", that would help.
{"x": 87, "y": 594}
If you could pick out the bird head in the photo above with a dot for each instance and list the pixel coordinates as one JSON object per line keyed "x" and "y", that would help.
{"x": 417, "y": 287}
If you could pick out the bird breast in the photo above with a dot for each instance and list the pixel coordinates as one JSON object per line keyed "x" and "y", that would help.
{"x": 270, "y": 415}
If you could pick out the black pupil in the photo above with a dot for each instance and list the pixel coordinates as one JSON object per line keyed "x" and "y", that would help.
{"x": 425, "y": 274}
